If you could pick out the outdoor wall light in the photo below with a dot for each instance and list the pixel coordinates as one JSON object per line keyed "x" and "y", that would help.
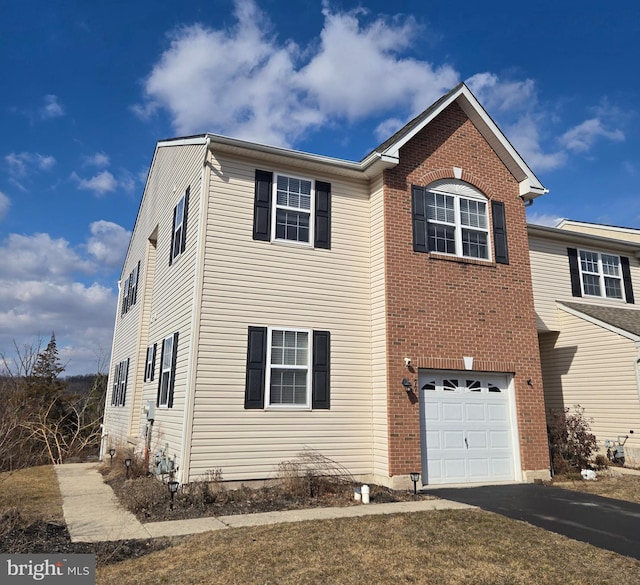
{"x": 173, "y": 488}
{"x": 112, "y": 452}
{"x": 127, "y": 464}
{"x": 407, "y": 385}
{"x": 415, "y": 476}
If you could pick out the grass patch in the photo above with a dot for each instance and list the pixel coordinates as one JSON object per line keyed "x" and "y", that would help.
{"x": 34, "y": 492}
{"x": 619, "y": 487}
{"x": 439, "y": 548}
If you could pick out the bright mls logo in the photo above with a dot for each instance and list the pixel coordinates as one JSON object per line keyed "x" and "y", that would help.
{"x": 48, "y": 568}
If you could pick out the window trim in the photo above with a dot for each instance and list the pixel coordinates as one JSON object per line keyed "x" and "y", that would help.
{"x": 275, "y": 206}
{"x": 601, "y": 276}
{"x": 269, "y": 367}
{"x": 179, "y": 232}
{"x": 150, "y": 363}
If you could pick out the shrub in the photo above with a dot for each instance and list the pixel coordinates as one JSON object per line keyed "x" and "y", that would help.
{"x": 571, "y": 440}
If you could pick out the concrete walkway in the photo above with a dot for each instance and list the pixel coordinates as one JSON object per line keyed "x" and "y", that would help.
{"x": 92, "y": 511}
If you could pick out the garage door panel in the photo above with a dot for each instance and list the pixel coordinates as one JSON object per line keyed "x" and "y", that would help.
{"x": 477, "y": 440}
{"x": 453, "y": 439}
{"x": 452, "y": 411}
{"x": 466, "y": 430}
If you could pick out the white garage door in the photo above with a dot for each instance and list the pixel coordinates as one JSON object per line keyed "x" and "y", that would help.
{"x": 466, "y": 428}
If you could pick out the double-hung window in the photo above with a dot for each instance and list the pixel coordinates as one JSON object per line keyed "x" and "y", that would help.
{"x": 150, "y": 363}
{"x": 600, "y": 274}
{"x": 289, "y": 367}
{"x": 452, "y": 217}
{"x": 292, "y": 217}
{"x": 457, "y": 225}
{"x": 130, "y": 290}
{"x": 179, "y": 228}
{"x": 166, "y": 382}
{"x": 119, "y": 386}
{"x": 291, "y": 209}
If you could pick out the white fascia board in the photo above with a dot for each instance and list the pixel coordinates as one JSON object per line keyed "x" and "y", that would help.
{"x": 632, "y": 336}
{"x": 182, "y": 141}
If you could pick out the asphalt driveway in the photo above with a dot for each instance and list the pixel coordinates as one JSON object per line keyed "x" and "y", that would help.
{"x": 609, "y": 524}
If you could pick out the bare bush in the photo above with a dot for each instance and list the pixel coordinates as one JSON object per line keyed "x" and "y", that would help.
{"x": 571, "y": 440}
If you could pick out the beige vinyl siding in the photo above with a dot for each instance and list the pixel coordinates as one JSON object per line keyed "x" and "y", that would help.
{"x": 591, "y": 366}
{"x": 552, "y": 280}
{"x": 378, "y": 335}
{"x": 604, "y": 231}
{"x": 165, "y": 297}
{"x": 256, "y": 283}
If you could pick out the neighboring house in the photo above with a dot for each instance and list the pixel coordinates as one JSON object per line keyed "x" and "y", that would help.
{"x": 586, "y": 282}
{"x": 380, "y": 312}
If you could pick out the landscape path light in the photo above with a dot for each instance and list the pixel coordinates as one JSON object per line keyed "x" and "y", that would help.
{"x": 415, "y": 476}
{"x": 172, "y": 484}
{"x": 112, "y": 452}
{"x": 127, "y": 464}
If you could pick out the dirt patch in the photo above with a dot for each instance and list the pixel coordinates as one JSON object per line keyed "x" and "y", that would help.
{"x": 53, "y": 537}
{"x": 148, "y": 498}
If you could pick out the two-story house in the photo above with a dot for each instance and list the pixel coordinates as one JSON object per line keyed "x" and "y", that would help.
{"x": 380, "y": 312}
{"x": 584, "y": 277}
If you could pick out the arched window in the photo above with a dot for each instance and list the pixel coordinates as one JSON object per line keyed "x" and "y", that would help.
{"x": 452, "y": 217}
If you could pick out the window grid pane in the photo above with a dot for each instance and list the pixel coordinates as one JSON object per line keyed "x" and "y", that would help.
{"x": 589, "y": 262}
{"x": 442, "y": 238}
{"x": 292, "y": 225}
{"x": 591, "y": 284}
{"x": 288, "y": 386}
{"x": 473, "y": 213}
{"x": 440, "y": 207}
{"x": 290, "y": 348}
{"x": 292, "y": 192}
{"x": 474, "y": 244}
{"x": 610, "y": 265}
{"x": 612, "y": 288}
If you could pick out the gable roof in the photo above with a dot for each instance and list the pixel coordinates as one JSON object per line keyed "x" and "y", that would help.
{"x": 625, "y": 322}
{"x": 530, "y": 186}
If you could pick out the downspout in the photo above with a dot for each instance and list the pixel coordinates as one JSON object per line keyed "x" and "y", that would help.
{"x": 196, "y": 311}
{"x": 105, "y": 433}
{"x": 636, "y": 364}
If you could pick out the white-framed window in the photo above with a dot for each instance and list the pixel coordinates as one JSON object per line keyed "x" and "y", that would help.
{"x": 292, "y": 217}
{"x": 178, "y": 226}
{"x": 130, "y": 290}
{"x": 167, "y": 370}
{"x": 289, "y": 367}
{"x": 457, "y": 224}
{"x": 119, "y": 386}
{"x": 600, "y": 275}
{"x": 150, "y": 363}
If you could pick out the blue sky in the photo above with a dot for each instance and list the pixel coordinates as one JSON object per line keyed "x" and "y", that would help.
{"x": 88, "y": 89}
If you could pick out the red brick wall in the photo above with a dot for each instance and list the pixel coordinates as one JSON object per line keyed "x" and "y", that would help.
{"x": 439, "y": 310}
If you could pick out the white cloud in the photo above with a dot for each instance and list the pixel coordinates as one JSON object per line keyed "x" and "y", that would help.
{"x": 42, "y": 290}
{"x": 99, "y": 159}
{"x": 51, "y": 108}
{"x": 498, "y": 95}
{"x": 102, "y": 183}
{"x": 5, "y": 203}
{"x": 252, "y": 87}
{"x": 582, "y": 137}
{"x": 547, "y": 219}
{"x": 20, "y": 163}
{"x": 525, "y": 136}
{"x": 40, "y": 257}
{"x": 108, "y": 242}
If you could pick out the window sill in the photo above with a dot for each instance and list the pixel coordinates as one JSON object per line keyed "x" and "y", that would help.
{"x": 459, "y": 259}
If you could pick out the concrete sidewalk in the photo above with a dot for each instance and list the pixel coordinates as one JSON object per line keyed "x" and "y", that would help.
{"x": 93, "y": 513}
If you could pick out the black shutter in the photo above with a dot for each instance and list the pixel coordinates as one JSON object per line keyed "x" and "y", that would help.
{"x": 574, "y": 271}
{"x": 322, "y": 235}
{"x": 256, "y": 367}
{"x": 321, "y": 369}
{"x": 183, "y": 244}
{"x": 499, "y": 232}
{"x": 626, "y": 277}
{"x": 135, "y": 290}
{"x": 419, "y": 218}
{"x": 262, "y": 206}
{"x": 160, "y": 376}
{"x": 173, "y": 235}
{"x": 172, "y": 376}
{"x": 153, "y": 362}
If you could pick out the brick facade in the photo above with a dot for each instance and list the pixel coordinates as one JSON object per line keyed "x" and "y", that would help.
{"x": 440, "y": 309}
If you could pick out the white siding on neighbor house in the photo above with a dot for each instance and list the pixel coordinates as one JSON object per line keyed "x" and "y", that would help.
{"x": 591, "y": 366}
{"x": 378, "y": 334}
{"x": 552, "y": 280}
{"x": 166, "y": 308}
{"x": 256, "y": 283}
